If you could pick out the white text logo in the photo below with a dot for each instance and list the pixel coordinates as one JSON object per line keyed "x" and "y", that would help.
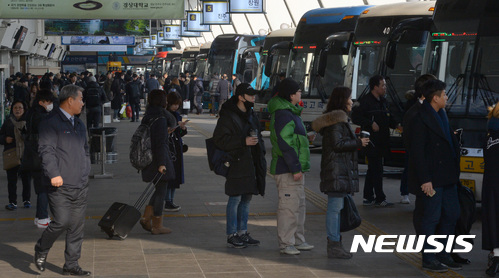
{"x": 409, "y": 244}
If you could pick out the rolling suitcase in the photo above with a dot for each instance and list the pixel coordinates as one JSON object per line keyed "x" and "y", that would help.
{"x": 120, "y": 218}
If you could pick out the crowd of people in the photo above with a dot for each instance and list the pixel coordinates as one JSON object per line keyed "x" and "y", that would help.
{"x": 43, "y": 110}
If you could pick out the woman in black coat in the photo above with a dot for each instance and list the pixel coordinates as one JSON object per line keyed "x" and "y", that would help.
{"x": 339, "y": 169}
{"x": 490, "y": 192}
{"x": 10, "y": 137}
{"x": 237, "y": 132}
{"x": 176, "y": 150}
{"x": 157, "y": 117}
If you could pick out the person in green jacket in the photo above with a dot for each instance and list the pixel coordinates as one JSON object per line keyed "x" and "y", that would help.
{"x": 290, "y": 159}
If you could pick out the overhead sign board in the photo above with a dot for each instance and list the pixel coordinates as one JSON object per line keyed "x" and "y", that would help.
{"x": 195, "y": 22}
{"x": 163, "y": 41}
{"x": 97, "y": 27}
{"x": 171, "y": 32}
{"x": 97, "y": 40}
{"x": 216, "y": 12}
{"x": 246, "y": 6}
{"x": 91, "y": 9}
{"x": 185, "y": 33}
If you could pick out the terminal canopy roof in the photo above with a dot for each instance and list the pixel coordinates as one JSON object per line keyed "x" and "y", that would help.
{"x": 279, "y": 13}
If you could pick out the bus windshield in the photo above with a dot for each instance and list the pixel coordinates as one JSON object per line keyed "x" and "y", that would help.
{"x": 299, "y": 69}
{"x": 189, "y": 65}
{"x": 221, "y": 62}
{"x": 368, "y": 66}
{"x": 201, "y": 68}
{"x": 456, "y": 73}
{"x": 334, "y": 76}
{"x": 175, "y": 70}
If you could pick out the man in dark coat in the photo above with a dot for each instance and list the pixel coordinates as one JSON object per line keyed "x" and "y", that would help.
{"x": 65, "y": 157}
{"x": 434, "y": 174}
{"x": 132, "y": 90}
{"x": 94, "y": 96}
{"x": 238, "y": 134}
{"x": 224, "y": 88}
{"x": 374, "y": 117}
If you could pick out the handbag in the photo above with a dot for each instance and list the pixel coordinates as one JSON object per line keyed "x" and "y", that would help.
{"x": 186, "y": 104}
{"x": 349, "y": 216}
{"x": 129, "y": 112}
{"x": 10, "y": 159}
{"x": 218, "y": 160}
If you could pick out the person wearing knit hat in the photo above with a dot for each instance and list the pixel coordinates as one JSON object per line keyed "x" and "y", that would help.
{"x": 290, "y": 160}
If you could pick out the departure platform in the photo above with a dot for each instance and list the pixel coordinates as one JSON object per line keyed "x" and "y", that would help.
{"x": 197, "y": 245}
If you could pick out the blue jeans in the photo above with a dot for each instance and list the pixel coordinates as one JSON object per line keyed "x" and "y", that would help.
{"x": 438, "y": 216}
{"x": 170, "y": 193}
{"x": 334, "y": 206}
{"x": 237, "y": 213}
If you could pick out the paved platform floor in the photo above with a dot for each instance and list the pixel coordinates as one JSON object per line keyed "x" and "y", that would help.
{"x": 197, "y": 245}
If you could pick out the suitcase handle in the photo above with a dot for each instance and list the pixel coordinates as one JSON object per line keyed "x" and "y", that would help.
{"x": 147, "y": 192}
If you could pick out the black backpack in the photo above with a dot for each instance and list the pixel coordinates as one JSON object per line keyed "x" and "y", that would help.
{"x": 140, "y": 147}
{"x": 92, "y": 98}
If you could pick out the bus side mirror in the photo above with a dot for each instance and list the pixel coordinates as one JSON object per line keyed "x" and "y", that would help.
{"x": 321, "y": 68}
{"x": 391, "y": 54}
{"x": 268, "y": 64}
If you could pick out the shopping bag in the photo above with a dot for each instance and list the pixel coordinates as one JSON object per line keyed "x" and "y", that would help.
{"x": 186, "y": 104}
{"x": 123, "y": 107}
{"x": 349, "y": 216}
{"x": 128, "y": 111}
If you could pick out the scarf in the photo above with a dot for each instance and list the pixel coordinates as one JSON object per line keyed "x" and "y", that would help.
{"x": 18, "y": 126}
{"x": 443, "y": 121}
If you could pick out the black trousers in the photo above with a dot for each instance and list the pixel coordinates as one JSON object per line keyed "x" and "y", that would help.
{"x": 94, "y": 115}
{"x": 135, "y": 110}
{"x": 373, "y": 185}
{"x": 67, "y": 206}
{"x": 12, "y": 177}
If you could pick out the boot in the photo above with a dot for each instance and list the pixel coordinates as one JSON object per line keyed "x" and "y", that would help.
{"x": 335, "y": 250}
{"x": 145, "y": 221}
{"x": 157, "y": 226}
{"x": 493, "y": 268}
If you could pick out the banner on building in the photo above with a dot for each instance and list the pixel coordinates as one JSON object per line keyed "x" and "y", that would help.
{"x": 97, "y": 27}
{"x": 216, "y": 12}
{"x": 171, "y": 32}
{"x": 153, "y": 40}
{"x": 94, "y": 48}
{"x": 246, "y": 6}
{"x": 91, "y": 9}
{"x": 97, "y": 40}
{"x": 185, "y": 33}
{"x": 195, "y": 22}
{"x": 146, "y": 43}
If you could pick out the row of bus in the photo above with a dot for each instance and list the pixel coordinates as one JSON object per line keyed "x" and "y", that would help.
{"x": 453, "y": 40}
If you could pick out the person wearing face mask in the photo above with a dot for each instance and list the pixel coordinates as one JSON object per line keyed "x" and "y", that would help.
{"x": 237, "y": 133}
{"x": 43, "y": 104}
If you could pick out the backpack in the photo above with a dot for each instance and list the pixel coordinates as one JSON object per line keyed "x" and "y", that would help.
{"x": 92, "y": 98}
{"x": 140, "y": 147}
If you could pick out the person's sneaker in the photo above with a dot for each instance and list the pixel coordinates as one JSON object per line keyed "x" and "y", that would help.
{"x": 368, "y": 202}
{"x": 43, "y": 223}
{"x": 290, "y": 250}
{"x": 246, "y": 238}
{"x": 171, "y": 207}
{"x": 27, "y": 204}
{"x": 11, "y": 206}
{"x": 404, "y": 199}
{"x": 449, "y": 262}
{"x": 36, "y": 221}
{"x": 234, "y": 241}
{"x": 116, "y": 120}
{"x": 435, "y": 266}
{"x": 304, "y": 246}
{"x": 383, "y": 204}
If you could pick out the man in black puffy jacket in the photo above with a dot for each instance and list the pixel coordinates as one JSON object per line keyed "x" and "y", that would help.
{"x": 94, "y": 96}
{"x": 132, "y": 90}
